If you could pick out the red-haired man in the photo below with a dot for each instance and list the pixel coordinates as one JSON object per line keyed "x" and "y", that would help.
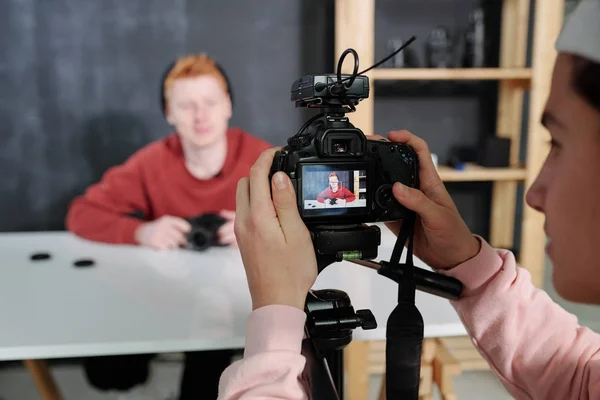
{"x": 335, "y": 190}
{"x": 192, "y": 171}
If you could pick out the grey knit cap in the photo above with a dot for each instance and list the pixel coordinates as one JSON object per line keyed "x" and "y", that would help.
{"x": 580, "y": 34}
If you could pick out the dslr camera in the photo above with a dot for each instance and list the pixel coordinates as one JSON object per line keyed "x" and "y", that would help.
{"x": 204, "y": 232}
{"x": 342, "y": 179}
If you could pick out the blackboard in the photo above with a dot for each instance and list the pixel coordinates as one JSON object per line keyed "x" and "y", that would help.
{"x": 79, "y": 84}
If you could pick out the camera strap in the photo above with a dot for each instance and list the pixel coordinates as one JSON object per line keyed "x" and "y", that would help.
{"x": 406, "y": 233}
{"x": 404, "y": 329}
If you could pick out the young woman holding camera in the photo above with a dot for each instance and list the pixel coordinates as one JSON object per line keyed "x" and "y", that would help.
{"x": 536, "y": 348}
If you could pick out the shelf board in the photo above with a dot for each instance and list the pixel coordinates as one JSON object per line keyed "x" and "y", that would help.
{"x": 519, "y": 74}
{"x": 478, "y": 173}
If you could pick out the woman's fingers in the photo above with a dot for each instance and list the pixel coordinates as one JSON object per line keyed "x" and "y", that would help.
{"x": 430, "y": 182}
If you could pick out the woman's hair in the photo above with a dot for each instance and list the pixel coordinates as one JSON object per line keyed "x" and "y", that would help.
{"x": 586, "y": 80}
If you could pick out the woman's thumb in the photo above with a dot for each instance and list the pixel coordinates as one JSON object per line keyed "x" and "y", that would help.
{"x": 284, "y": 200}
{"x": 413, "y": 199}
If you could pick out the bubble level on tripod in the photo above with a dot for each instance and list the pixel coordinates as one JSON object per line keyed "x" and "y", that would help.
{"x": 351, "y": 255}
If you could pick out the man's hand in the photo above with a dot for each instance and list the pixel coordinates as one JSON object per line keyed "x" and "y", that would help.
{"x": 165, "y": 233}
{"x": 226, "y": 232}
{"x": 276, "y": 246}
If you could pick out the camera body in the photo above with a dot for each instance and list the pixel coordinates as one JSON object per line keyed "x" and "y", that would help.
{"x": 204, "y": 232}
{"x": 341, "y": 177}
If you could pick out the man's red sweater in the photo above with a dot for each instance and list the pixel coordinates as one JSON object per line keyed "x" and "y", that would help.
{"x": 154, "y": 182}
{"x": 342, "y": 193}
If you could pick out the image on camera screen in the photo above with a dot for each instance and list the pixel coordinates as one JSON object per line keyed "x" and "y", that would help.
{"x": 326, "y": 186}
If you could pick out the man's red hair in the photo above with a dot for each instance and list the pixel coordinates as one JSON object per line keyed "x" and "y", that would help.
{"x": 191, "y": 66}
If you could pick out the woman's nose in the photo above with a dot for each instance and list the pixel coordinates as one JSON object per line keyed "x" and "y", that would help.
{"x": 535, "y": 196}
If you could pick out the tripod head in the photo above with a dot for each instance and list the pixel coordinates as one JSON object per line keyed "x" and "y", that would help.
{"x": 329, "y": 325}
{"x": 331, "y": 317}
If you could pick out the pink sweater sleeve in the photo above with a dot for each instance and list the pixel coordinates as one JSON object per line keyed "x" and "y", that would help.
{"x": 272, "y": 367}
{"x": 537, "y": 349}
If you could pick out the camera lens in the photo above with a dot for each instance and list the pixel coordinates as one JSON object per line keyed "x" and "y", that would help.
{"x": 199, "y": 238}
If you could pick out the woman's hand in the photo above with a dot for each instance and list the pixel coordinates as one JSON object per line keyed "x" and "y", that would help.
{"x": 276, "y": 246}
{"x": 442, "y": 239}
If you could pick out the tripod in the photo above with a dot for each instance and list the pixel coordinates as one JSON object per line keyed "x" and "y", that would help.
{"x": 331, "y": 318}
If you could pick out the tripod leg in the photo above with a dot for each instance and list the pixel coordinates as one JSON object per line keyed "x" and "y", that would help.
{"x": 336, "y": 368}
{"x": 317, "y": 373}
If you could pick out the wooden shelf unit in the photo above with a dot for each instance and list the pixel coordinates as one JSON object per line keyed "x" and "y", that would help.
{"x": 510, "y": 74}
{"x": 355, "y": 28}
{"x": 473, "y": 173}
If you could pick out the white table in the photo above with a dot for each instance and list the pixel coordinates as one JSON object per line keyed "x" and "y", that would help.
{"x": 137, "y": 300}
{"x": 310, "y": 204}
{"x": 133, "y": 300}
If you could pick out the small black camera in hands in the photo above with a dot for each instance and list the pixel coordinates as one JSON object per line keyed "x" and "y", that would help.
{"x": 342, "y": 179}
{"x": 204, "y": 232}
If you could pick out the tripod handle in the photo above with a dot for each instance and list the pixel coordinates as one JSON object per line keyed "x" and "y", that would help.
{"x": 426, "y": 281}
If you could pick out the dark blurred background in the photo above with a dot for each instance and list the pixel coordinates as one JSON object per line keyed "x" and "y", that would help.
{"x": 80, "y": 84}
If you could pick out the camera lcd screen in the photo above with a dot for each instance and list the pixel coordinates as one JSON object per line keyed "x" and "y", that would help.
{"x": 334, "y": 189}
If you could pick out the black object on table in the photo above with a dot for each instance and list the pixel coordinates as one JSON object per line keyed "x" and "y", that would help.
{"x": 84, "y": 262}
{"x": 40, "y": 256}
